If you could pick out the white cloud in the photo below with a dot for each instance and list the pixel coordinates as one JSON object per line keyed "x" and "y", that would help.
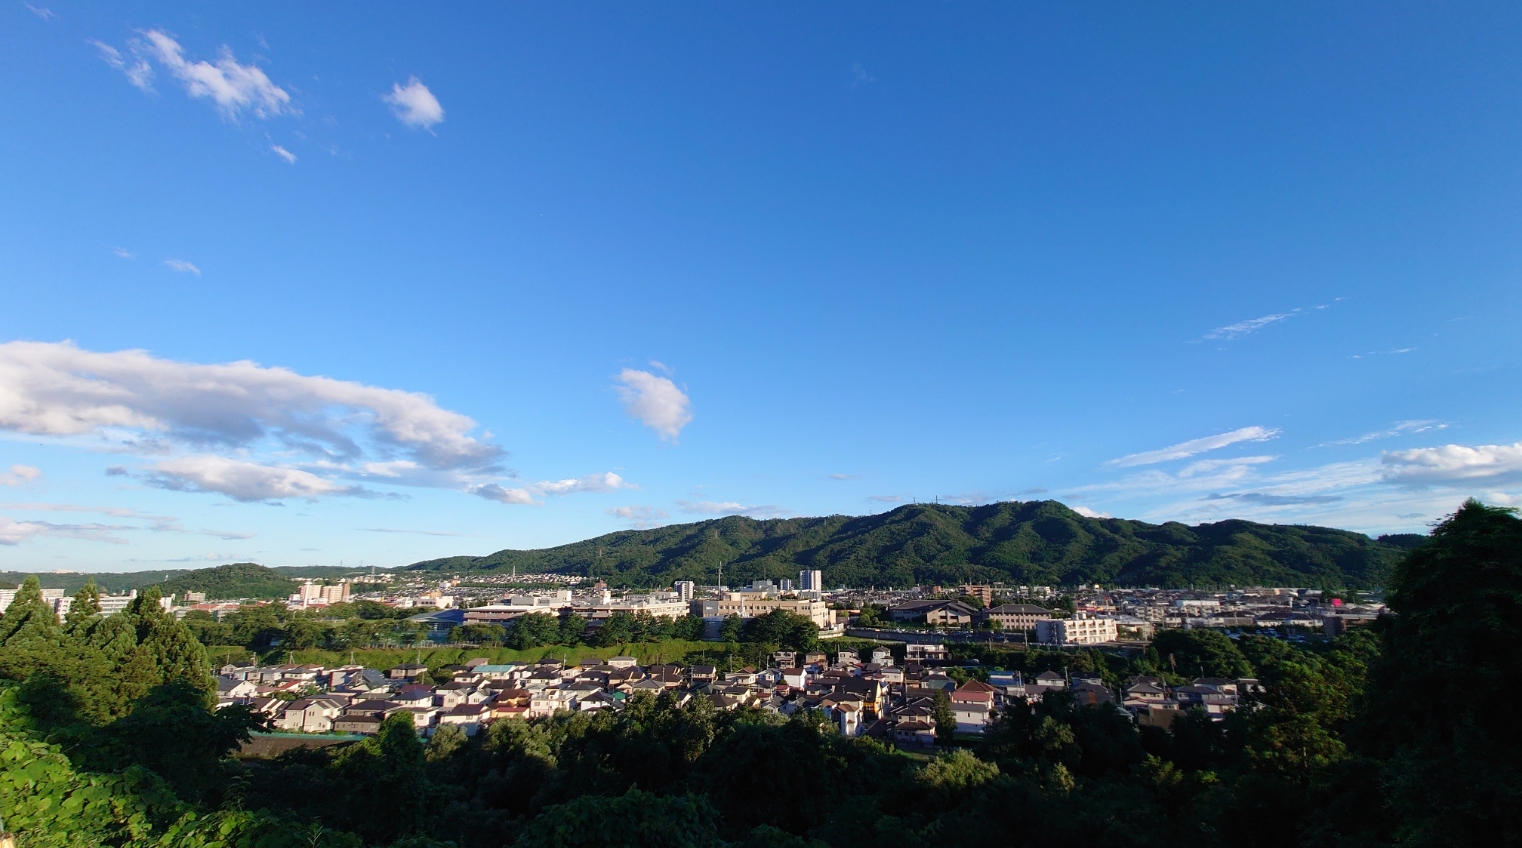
{"x": 182, "y": 266}
{"x": 655, "y": 401}
{"x": 288, "y": 156}
{"x": 839, "y": 476}
{"x": 16, "y": 532}
{"x": 42, "y": 12}
{"x": 1089, "y": 513}
{"x": 1248, "y": 327}
{"x": 414, "y": 105}
{"x": 124, "y": 253}
{"x": 138, "y": 71}
{"x": 637, "y": 513}
{"x": 228, "y": 535}
{"x": 1401, "y": 428}
{"x": 528, "y": 494}
{"x": 495, "y": 492}
{"x": 887, "y": 499}
{"x": 732, "y": 508}
{"x": 1453, "y": 464}
{"x": 860, "y": 75}
{"x": 1194, "y": 446}
{"x": 134, "y": 402}
{"x": 1229, "y": 468}
{"x": 242, "y": 481}
{"x": 606, "y": 482}
{"x": 232, "y": 86}
{"x": 20, "y": 474}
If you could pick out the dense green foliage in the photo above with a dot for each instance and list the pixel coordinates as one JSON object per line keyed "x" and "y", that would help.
{"x": 1041, "y": 542}
{"x": 1392, "y": 735}
{"x": 337, "y": 627}
{"x": 235, "y": 580}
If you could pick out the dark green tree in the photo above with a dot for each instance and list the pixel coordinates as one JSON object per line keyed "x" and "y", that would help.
{"x": 945, "y": 719}
{"x": 83, "y": 610}
{"x": 386, "y": 781}
{"x": 783, "y": 628}
{"x": 732, "y": 629}
{"x": 573, "y": 628}
{"x": 1450, "y": 663}
{"x": 1200, "y": 653}
{"x": 633, "y": 820}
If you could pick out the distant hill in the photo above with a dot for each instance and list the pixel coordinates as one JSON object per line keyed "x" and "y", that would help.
{"x": 1039, "y": 542}
{"x": 235, "y": 580}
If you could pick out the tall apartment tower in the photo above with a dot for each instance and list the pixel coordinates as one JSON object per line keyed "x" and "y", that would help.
{"x": 685, "y": 588}
{"x": 811, "y": 582}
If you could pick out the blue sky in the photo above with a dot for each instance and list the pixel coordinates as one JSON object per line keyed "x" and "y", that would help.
{"x": 381, "y": 283}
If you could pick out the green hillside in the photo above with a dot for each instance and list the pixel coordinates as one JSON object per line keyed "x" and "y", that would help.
{"x": 1040, "y": 542}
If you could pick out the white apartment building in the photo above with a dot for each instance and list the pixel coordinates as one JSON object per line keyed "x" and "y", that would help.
{"x": 1080, "y": 630}
{"x": 312, "y": 593}
{"x": 811, "y": 583}
{"x": 54, "y": 598}
{"x": 752, "y": 604}
{"x": 685, "y": 589}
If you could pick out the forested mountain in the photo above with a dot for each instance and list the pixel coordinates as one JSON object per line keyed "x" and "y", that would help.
{"x": 1041, "y": 542}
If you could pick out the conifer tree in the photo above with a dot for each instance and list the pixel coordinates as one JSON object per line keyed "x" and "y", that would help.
{"x": 84, "y": 611}
{"x": 166, "y": 649}
{"x": 29, "y": 620}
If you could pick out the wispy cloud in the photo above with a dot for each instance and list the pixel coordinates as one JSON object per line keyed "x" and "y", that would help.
{"x": 16, "y": 532}
{"x": 843, "y": 476}
{"x": 1248, "y": 327}
{"x": 42, "y": 12}
{"x": 414, "y": 105}
{"x": 1395, "y": 352}
{"x": 137, "y": 70}
{"x": 1194, "y": 446}
{"x": 123, "y": 253}
{"x": 860, "y": 76}
{"x": 733, "y": 508}
{"x": 1265, "y": 499}
{"x": 887, "y": 499}
{"x": 288, "y": 156}
{"x": 640, "y": 517}
{"x": 182, "y": 266}
{"x": 1401, "y": 428}
{"x": 1223, "y": 467}
{"x": 413, "y": 532}
{"x": 654, "y": 401}
{"x": 1090, "y": 513}
{"x": 20, "y": 474}
{"x": 234, "y": 88}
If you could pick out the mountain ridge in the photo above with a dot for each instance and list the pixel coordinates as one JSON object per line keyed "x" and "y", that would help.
{"x": 1029, "y": 542}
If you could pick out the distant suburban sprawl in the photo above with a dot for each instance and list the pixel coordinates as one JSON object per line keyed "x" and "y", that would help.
{"x": 432, "y": 707}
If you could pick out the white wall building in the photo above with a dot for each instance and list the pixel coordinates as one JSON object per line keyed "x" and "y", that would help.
{"x": 1080, "y": 630}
